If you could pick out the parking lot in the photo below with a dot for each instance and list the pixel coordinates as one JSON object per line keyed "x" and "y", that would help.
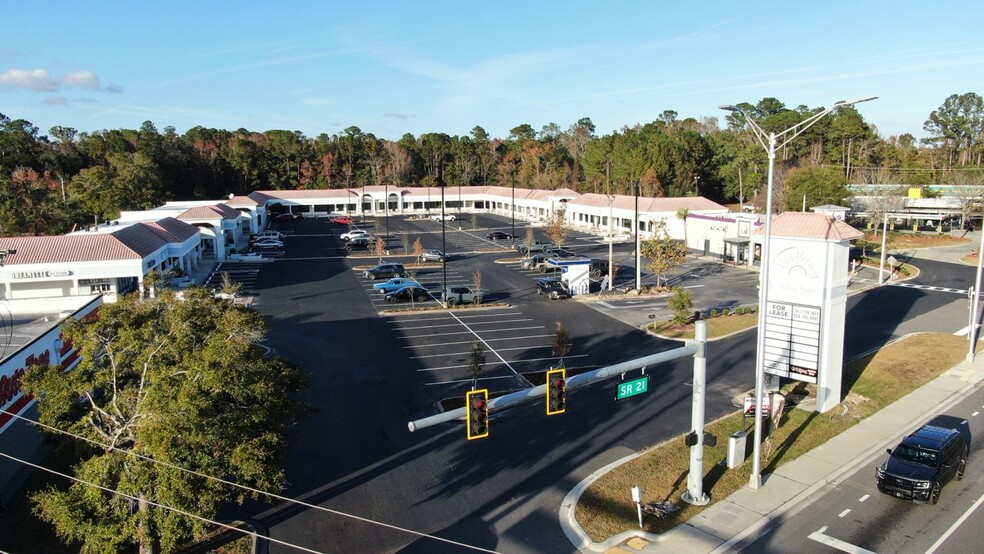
{"x": 514, "y": 327}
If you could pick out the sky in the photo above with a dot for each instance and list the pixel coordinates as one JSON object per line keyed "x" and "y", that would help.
{"x": 391, "y": 68}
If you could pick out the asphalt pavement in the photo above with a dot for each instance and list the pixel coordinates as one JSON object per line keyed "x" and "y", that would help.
{"x": 741, "y": 517}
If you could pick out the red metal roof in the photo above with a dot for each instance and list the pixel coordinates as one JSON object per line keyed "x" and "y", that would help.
{"x": 810, "y": 226}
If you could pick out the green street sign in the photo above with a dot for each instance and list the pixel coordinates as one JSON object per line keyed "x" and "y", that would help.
{"x": 632, "y": 388}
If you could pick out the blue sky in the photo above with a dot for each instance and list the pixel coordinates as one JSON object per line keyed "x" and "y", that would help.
{"x": 392, "y": 68}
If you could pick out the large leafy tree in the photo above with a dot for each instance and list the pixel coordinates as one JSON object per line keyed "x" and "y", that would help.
{"x": 815, "y": 186}
{"x": 180, "y": 381}
{"x": 958, "y": 127}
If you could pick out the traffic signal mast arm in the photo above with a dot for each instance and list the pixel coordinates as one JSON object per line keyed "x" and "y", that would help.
{"x": 537, "y": 393}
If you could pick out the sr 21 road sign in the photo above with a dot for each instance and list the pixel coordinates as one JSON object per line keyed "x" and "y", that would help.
{"x": 632, "y": 388}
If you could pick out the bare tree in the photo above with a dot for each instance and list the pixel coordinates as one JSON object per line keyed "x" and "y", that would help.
{"x": 560, "y": 342}
{"x": 418, "y": 250}
{"x": 557, "y": 228}
{"x": 477, "y": 279}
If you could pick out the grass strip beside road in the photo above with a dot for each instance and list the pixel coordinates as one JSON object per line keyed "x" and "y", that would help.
{"x": 717, "y": 327}
{"x": 606, "y": 509}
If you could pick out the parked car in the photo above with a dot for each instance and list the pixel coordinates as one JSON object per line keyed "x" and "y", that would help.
{"x": 463, "y": 295}
{"x": 268, "y": 244}
{"x": 404, "y": 294}
{"x": 287, "y": 217}
{"x": 534, "y": 262}
{"x": 537, "y": 246}
{"x": 340, "y": 220}
{"x": 498, "y": 235}
{"x": 923, "y": 462}
{"x": 434, "y": 255}
{"x": 385, "y": 271}
{"x": 599, "y": 268}
{"x": 553, "y": 288}
{"x": 349, "y": 235}
{"x": 447, "y": 217}
{"x": 359, "y": 243}
{"x": 556, "y": 262}
{"x": 395, "y": 284}
{"x": 268, "y": 234}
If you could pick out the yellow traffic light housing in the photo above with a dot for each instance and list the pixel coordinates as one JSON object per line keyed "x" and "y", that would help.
{"x": 556, "y": 391}
{"x": 477, "y": 413}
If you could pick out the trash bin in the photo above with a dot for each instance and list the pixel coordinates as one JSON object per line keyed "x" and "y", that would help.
{"x": 736, "y": 449}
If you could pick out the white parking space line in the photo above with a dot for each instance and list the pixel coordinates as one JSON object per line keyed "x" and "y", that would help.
{"x": 837, "y": 543}
{"x": 418, "y": 318}
{"x": 460, "y": 366}
{"x": 863, "y": 498}
{"x": 842, "y": 514}
{"x": 451, "y": 354}
{"x": 523, "y": 337}
{"x": 463, "y": 323}
{"x": 469, "y": 332}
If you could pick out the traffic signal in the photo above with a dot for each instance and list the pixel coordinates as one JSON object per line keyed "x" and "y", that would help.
{"x": 556, "y": 391}
{"x": 477, "y": 412}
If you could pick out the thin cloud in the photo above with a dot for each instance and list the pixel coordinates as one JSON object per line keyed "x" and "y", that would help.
{"x": 39, "y": 80}
{"x": 56, "y": 101}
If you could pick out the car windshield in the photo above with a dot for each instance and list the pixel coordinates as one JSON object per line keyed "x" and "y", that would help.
{"x": 917, "y": 456}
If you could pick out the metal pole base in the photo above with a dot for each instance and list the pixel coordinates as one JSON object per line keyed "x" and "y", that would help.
{"x": 704, "y": 500}
{"x": 755, "y": 482}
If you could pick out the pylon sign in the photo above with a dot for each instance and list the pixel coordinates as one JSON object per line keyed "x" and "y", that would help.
{"x": 477, "y": 408}
{"x": 556, "y": 391}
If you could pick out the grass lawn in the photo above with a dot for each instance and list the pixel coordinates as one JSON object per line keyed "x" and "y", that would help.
{"x": 871, "y": 383}
{"x": 716, "y": 326}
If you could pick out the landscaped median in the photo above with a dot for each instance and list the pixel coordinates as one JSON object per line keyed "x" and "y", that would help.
{"x": 872, "y": 382}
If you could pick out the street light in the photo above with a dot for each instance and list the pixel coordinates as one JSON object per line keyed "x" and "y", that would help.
{"x": 611, "y": 239}
{"x": 769, "y": 142}
{"x": 512, "y": 208}
{"x": 444, "y": 242}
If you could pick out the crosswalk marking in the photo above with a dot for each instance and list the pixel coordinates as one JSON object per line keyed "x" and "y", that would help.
{"x": 928, "y": 287}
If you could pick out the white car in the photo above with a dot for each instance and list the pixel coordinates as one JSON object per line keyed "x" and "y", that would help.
{"x": 268, "y": 244}
{"x": 447, "y": 217}
{"x": 355, "y": 233}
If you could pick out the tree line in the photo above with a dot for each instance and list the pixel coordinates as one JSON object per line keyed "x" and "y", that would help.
{"x": 50, "y": 183}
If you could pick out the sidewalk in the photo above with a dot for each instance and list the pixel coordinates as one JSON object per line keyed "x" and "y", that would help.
{"x": 729, "y": 522}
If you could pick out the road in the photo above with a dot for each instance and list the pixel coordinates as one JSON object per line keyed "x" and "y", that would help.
{"x": 852, "y": 516}
{"x": 372, "y": 373}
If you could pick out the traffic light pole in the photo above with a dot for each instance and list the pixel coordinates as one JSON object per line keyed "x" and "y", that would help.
{"x": 692, "y": 348}
{"x": 695, "y": 478}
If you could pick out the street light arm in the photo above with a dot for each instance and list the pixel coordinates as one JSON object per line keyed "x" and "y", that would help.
{"x": 807, "y": 123}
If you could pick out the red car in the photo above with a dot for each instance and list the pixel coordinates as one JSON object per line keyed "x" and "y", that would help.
{"x": 340, "y": 220}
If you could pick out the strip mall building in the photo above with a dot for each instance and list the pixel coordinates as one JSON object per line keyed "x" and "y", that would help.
{"x": 78, "y": 271}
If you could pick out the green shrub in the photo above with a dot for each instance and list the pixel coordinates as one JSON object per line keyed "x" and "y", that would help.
{"x": 682, "y": 303}
{"x": 713, "y": 313}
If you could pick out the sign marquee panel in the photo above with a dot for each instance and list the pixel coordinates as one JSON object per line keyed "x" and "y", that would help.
{"x": 792, "y": 341}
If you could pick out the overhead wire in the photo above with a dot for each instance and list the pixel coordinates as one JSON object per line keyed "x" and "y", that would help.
{"x": 157, "y": 504}
{"x": 243, "y": 487}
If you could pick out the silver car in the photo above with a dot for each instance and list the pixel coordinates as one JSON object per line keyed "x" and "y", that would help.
{"x": 434, "y": 255}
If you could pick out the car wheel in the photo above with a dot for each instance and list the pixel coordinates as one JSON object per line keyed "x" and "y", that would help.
{"x": 542, "y": 269}
{"x": 390, "y": 299}
{"x": 539, "y": 291}
{"x": 595, "y": 273}
{"x": 960, "y": 469}
{"x": 554, "y": 296}
{"x": 935, "y": 495}
{"x": 477, "y": 300}
{"x": 452, "y": 302}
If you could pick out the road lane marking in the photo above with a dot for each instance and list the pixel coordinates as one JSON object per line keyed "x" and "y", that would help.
{"x": 819, "y": 537}
{"x": 953, "y": 528}
{"x": 973, "y": 414}
{"x": 863, "y": 498}
{"x": 844, "y": 513}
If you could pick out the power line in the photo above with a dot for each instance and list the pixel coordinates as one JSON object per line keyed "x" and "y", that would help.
{"x": 157, "y": 504}
{"x": 244, "y": 487}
